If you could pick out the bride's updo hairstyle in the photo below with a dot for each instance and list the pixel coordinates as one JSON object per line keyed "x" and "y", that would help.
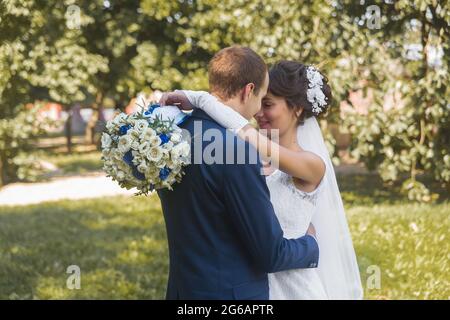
{"x": 302, "y": 86}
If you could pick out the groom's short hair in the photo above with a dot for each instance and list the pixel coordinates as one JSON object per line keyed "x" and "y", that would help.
{"x": 232, "y": 68}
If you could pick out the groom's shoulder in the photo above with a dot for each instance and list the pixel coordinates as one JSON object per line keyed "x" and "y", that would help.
{"x": 199, "y": 122}
{"x": 226, "y": 147}
{"x": 201, "y": 117}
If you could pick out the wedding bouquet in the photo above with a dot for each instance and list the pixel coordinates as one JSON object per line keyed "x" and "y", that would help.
{"x": 146, "y": 150}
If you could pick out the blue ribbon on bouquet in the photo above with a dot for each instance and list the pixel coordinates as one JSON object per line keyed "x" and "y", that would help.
{"x": 178, "y": 117}
{"x": 151, "y": 108}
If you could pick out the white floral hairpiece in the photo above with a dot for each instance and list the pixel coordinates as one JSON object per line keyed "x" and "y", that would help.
{"x": 315, "y": 94}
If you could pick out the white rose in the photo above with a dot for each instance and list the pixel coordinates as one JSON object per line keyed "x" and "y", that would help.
{"x": 176, "y": 137}
{"x": 121, "y": 119}
{"x": 141, "y": 125}
{"x": 186, "y": 150}
{"x": 142, "y": 167}
{"x": 154, "y": 154}
{"x": 161, "y": 164}
{"x": 147, "y": 134}
{"x": 117, "y": 154}
{"x": 152, "y": 172}
{"x": 144, "y": 147}
{"x": 110, "y": 126}
{"x": 106, "y": 141}
{"x": 124, "y": 144}
{"x": 165, "y": 154}
{"x": 133, "y": 133}
{"x": 106, "y": 153}
{"x": 132, "y": 121}
{"x": 168, "y": 146}
{"x": 155, "y": 141}
{"x": 137, "y": 157}
{"x": 135, "y": 145}
{"x": 171, "y": 164}
{"x": 175, "y": 152}
{"x": 180, "y": 150}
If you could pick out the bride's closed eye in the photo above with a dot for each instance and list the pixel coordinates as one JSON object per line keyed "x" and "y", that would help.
{"x": 267, "y": 105}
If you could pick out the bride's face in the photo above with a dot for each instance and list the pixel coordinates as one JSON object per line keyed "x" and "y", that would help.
{"x": 275, "y": 114}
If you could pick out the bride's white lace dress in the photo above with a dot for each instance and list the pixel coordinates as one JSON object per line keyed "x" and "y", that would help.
{"x": 337, "y": 276}
{"x": 294, "y": 209}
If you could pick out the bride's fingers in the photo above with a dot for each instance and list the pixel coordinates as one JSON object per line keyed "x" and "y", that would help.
{"x": 164, "y": 98}
{"x": 169, "y": 98}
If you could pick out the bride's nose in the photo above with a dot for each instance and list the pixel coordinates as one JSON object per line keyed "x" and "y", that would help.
{"x": 259, "y": 114}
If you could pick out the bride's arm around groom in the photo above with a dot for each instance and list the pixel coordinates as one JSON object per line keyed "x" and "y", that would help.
{"x": 247, "y": 199}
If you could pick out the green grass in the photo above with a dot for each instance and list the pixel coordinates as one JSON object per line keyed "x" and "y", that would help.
{"x": 78, "y": 162}
{"x": 119, "y": 243}
{"x": 84, "y": 157}
{"x": 409, "y": 244}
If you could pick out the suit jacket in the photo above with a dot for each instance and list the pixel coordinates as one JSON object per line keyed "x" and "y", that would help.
{"x": 223, "y": 235}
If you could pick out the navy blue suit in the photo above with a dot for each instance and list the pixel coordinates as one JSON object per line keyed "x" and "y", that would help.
{"x": 223, "y": 235}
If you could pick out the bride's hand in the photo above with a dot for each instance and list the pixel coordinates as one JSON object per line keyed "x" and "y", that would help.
{"x": 311, "y": 230}
{"x": 176, "y": 98}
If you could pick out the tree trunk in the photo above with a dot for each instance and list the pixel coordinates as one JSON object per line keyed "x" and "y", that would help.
{"x": 91, "y": 126}
{"x": 2, "y": 182}
{"x": 68, "y": 130}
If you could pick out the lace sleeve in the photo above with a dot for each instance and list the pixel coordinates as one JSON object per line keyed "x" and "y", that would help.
{"x": 311, "y": 196}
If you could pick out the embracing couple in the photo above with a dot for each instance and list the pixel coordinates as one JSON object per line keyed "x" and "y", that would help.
{"x": 244, "y": 230}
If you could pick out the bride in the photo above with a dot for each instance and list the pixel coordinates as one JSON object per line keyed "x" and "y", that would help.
{"x": 304, "y": 189}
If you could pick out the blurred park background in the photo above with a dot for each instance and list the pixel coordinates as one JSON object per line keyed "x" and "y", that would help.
{"x": 68, "y": 66}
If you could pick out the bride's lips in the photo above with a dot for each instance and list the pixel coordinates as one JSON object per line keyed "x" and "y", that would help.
{"x": 264, "y": 124}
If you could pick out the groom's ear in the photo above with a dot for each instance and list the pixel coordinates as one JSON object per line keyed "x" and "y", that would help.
{"x": 247, "y": 91}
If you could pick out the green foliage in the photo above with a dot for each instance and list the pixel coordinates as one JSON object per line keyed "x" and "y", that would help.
{"x": 118, "y": 49}
{"x": 16, "y": 138}
{"x": 41, "y": 59}
{"x": 413, "y": 135}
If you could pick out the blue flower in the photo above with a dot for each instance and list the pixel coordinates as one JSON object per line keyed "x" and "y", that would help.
{"x": 164, "y": 138}
{"x": 128, "y": 158}
{"x": 124, "y": 129}
{"x": 164, "y": 173}
{"x": 137, "y": 174}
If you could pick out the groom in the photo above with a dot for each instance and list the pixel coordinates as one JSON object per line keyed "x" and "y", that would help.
{"x": 223, "y": 235}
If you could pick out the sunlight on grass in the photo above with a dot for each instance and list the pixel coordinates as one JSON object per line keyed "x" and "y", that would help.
{"x": 124, "y": 258}
{"x": 410, "y": 245}
{"x": 75, "y": 163}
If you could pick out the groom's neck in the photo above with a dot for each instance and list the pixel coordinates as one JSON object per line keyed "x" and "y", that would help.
{"x": 235, "y": 103}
